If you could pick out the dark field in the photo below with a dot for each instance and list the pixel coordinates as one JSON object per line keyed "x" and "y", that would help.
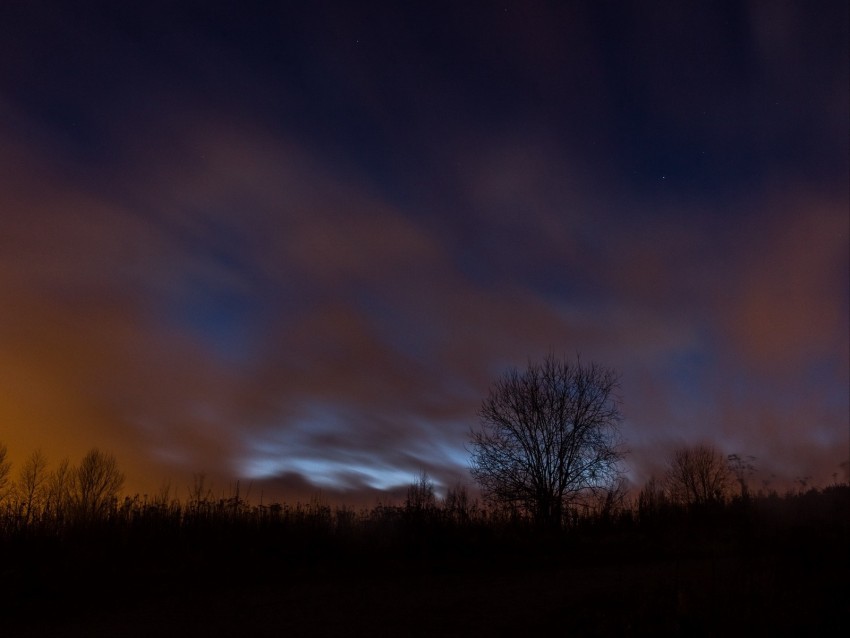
{"x": 767, "y": 566}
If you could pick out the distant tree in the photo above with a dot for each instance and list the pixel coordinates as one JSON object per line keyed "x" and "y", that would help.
{"x": 420, "y": 494}
{"x": 547, "y": 437}
{"x": 457, "y": 503}
{"x": 742, "y": 468}
{"x": 612, "y": 501}
{"x": 5, "y": 469}
{"x": 31, "y": 486}
{"x": 58, "y": 490}
{"x": 651, "y": 499}
{"x": 95, "y": 484}
{"x": 697, "y": 474}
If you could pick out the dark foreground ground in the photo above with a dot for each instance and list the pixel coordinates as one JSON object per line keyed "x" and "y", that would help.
{"x": 692, "y": 578}
{"x": 672, "y": 599}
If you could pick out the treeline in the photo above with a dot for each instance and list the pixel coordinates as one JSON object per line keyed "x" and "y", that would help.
{"x": 41, "y": 497}
{"x": 698, "y": 481}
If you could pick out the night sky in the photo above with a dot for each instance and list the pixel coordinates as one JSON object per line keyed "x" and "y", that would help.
{"x": 294, "y": 243}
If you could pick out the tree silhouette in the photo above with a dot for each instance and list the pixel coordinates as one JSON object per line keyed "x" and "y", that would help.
{"x": 95, "y": 484}
{"x": 651, "y": 499}
{"x": 59, "y": 490}
{"x": 420, "y": 494}
{"x": 742, "y": 467}
{"x": 457, "y": 504}
{"x": 5, "y": 469}
{"x": 697, "y": 474}
{"x": 548, "y": 436}
{"x": 30, "y": 487}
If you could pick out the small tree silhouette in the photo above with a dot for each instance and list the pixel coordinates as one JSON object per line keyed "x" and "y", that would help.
{"x": 697, "y": 474}
{"x": 95, "y": 485}
{"x": 420, "y": 494}
{"x": 31, "y": 486}
{"x": 5, "y": 469}
{"x": 742, "y": 467}
{"x": 651, "y": 499}
{"x": 58, "y": 488}
{"x": 457, "y": 503}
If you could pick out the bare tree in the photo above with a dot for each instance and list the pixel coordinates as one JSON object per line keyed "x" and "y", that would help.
{"x": 95, "y": 484}
{"x": 457, "y": 504}
{"x": 31, "y": 486}
{"x": 420, "y": 494}
{"x": 5, "y": 469}
{"x": 58, "y": 490}
{"x": 697, "y": 474}
{"x": 547, "y": 437}
{"x": 651, "y": 499}
{"x": 742, "y": 467}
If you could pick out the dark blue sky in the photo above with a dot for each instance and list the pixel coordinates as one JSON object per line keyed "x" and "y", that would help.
{"x": 296, "y": 242}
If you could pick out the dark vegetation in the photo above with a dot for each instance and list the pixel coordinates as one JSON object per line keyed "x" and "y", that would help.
{"x": 79, "y": 559}
{"x": 558, "y": 545}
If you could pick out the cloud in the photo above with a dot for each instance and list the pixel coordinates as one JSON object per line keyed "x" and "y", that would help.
{"x": 786, "y": 304}
{"x": 237, "y": 293}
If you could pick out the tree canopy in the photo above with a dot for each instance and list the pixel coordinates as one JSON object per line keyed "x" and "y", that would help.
{"x": 548, "y": 436}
